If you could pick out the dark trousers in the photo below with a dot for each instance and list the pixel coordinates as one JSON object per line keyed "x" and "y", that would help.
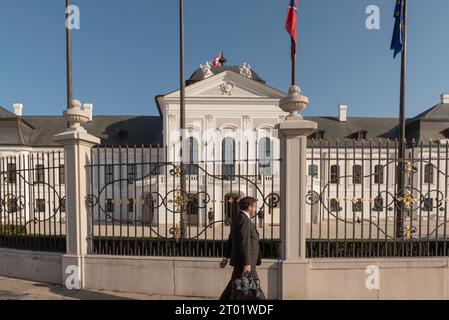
{"x": 237, "y": 273}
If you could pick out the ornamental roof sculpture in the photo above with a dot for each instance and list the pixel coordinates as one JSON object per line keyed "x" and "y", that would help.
{"x": 245, "y": 70}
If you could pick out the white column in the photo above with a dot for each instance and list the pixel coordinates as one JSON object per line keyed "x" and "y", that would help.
{"x": 293, "y": 133}
{"x": 77, "y": 145}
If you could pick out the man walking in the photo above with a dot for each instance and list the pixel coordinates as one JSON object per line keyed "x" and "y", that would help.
{"x": 242, "y": 248}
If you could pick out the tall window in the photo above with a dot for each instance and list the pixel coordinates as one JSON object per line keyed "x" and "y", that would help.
{"x": 334, "y": 205}
{"x": 62, "y": 205}
{"x": 379, "y": 174}
{"x": 313, "y": 171}
{"x": 357, "y": 174}
{"x": 11, "y": 205}
{"x": 39, "y": 173}
{"x": 130, "y": 205}
{"x": 193, "y": 209}
{"x": 40, "y": 205}
{"x": 428, "y": 173}
{"x": 11, "y": 174}
{"x": 154, "y": 169}
{"x": 109, "y": 173}
{"x": 228, "y": 157}
{"x": 427, "y": 204}
{"x": 109, "y": 205}
{"x": 192, "y": 147}
{"x": 132, "y": 173}
{"x": 265, "y": 157}
{"x": 335, "y": 174}
{"x": 61, "y": 174}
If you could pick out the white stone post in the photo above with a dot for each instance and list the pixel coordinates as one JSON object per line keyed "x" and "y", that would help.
{"x": 77, "y": 145}
{"x": 293, "y": 133}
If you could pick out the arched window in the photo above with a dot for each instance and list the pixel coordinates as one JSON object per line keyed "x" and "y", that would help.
{"x": 192, "y": 160}
{"x": 228, "y": 157}
{"x": 378, "y": 204}
{"x": 265, "y": 157}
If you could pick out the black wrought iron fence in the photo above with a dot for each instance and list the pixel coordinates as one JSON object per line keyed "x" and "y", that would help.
{"x": 32, "y": 202}
{"x": 137, "y": 206}
{"x": 355, "y": 203}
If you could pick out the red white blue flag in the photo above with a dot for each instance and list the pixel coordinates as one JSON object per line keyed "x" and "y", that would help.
{"x": 291, "y": 23}
{"x": 217, "y": 61}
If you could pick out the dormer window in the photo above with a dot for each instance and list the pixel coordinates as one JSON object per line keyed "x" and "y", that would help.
{"x": 123, "y": 135}
{"x": 318, "y": 135}
{"x": 361, "y": 135}
{"x": 445, "y": 133}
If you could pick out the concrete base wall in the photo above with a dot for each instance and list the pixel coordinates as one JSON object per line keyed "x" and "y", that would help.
{"x": 398, "y": 278}
{"x": 30, "y": 265}
{"x": 401, "y": 278}
{"x": 200, "y": 277}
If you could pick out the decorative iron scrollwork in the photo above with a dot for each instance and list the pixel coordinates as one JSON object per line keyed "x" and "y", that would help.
{"x": 12, "y": 203}
{"x": 176, "y": 232}
{"x": 179, "y": 200}
{"x": 91, "y": 200}
{"x": 407, "y": 200}
{"x": 272, "y": 200}
{"x": 173, "y": 200}
{"x": 408, "y": 232}
{"x": 178, "y": 170}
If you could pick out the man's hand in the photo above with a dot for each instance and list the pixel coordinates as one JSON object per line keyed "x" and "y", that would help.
{"x": 247, "y": 268}
{"x": 223, "y": 263}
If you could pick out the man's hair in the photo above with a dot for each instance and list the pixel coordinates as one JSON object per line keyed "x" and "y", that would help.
{"x": 246, "y": 202}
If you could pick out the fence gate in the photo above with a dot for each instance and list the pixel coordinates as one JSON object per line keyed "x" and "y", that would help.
{"x": 137, "y": 206}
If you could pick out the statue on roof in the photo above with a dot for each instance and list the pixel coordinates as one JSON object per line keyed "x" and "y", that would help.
{"x": 245, "y": 70}
{"x": 206, "y": 68}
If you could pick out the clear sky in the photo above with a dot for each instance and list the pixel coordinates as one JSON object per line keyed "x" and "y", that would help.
{"x": 126, "y": 52}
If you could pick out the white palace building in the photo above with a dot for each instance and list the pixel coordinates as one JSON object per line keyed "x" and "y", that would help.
{"x": 231, "y": 116}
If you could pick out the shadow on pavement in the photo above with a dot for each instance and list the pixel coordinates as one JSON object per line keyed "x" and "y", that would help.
{"x": 11, "y": 295}
{"x": 78, "y": 294}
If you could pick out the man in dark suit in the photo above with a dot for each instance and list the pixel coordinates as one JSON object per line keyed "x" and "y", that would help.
{"x": 242, "y": 248}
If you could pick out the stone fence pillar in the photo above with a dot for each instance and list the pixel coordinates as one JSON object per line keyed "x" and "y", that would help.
{"x": 77, "y": 145}
{"x": 293, "y": 133}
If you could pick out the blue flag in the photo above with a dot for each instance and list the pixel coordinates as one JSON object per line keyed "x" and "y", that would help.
{"x": 397, "y": 42}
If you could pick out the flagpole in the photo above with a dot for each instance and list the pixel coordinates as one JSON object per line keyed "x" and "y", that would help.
{"x": 293, "y": 53}
{"x": 183, "y": 218}
{"x": 402, "y": 136}
{"x": 69, "y": 57}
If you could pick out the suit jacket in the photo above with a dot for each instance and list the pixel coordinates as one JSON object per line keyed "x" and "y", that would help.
{"x": 243, "y": 243}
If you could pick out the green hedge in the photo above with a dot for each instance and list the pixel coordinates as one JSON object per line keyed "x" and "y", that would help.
{"x": 13, "y": 230}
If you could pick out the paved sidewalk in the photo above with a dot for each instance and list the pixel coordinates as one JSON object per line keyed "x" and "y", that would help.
{"x": 15, "y": 289}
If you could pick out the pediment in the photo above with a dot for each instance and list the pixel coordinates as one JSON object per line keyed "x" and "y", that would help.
{"x": 229, "y": 84}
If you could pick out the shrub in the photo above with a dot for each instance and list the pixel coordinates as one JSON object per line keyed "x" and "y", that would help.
{"x": 13, "y": 230}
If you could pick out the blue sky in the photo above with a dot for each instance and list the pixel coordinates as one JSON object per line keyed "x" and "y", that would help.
{"x": 127, "y": 52}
